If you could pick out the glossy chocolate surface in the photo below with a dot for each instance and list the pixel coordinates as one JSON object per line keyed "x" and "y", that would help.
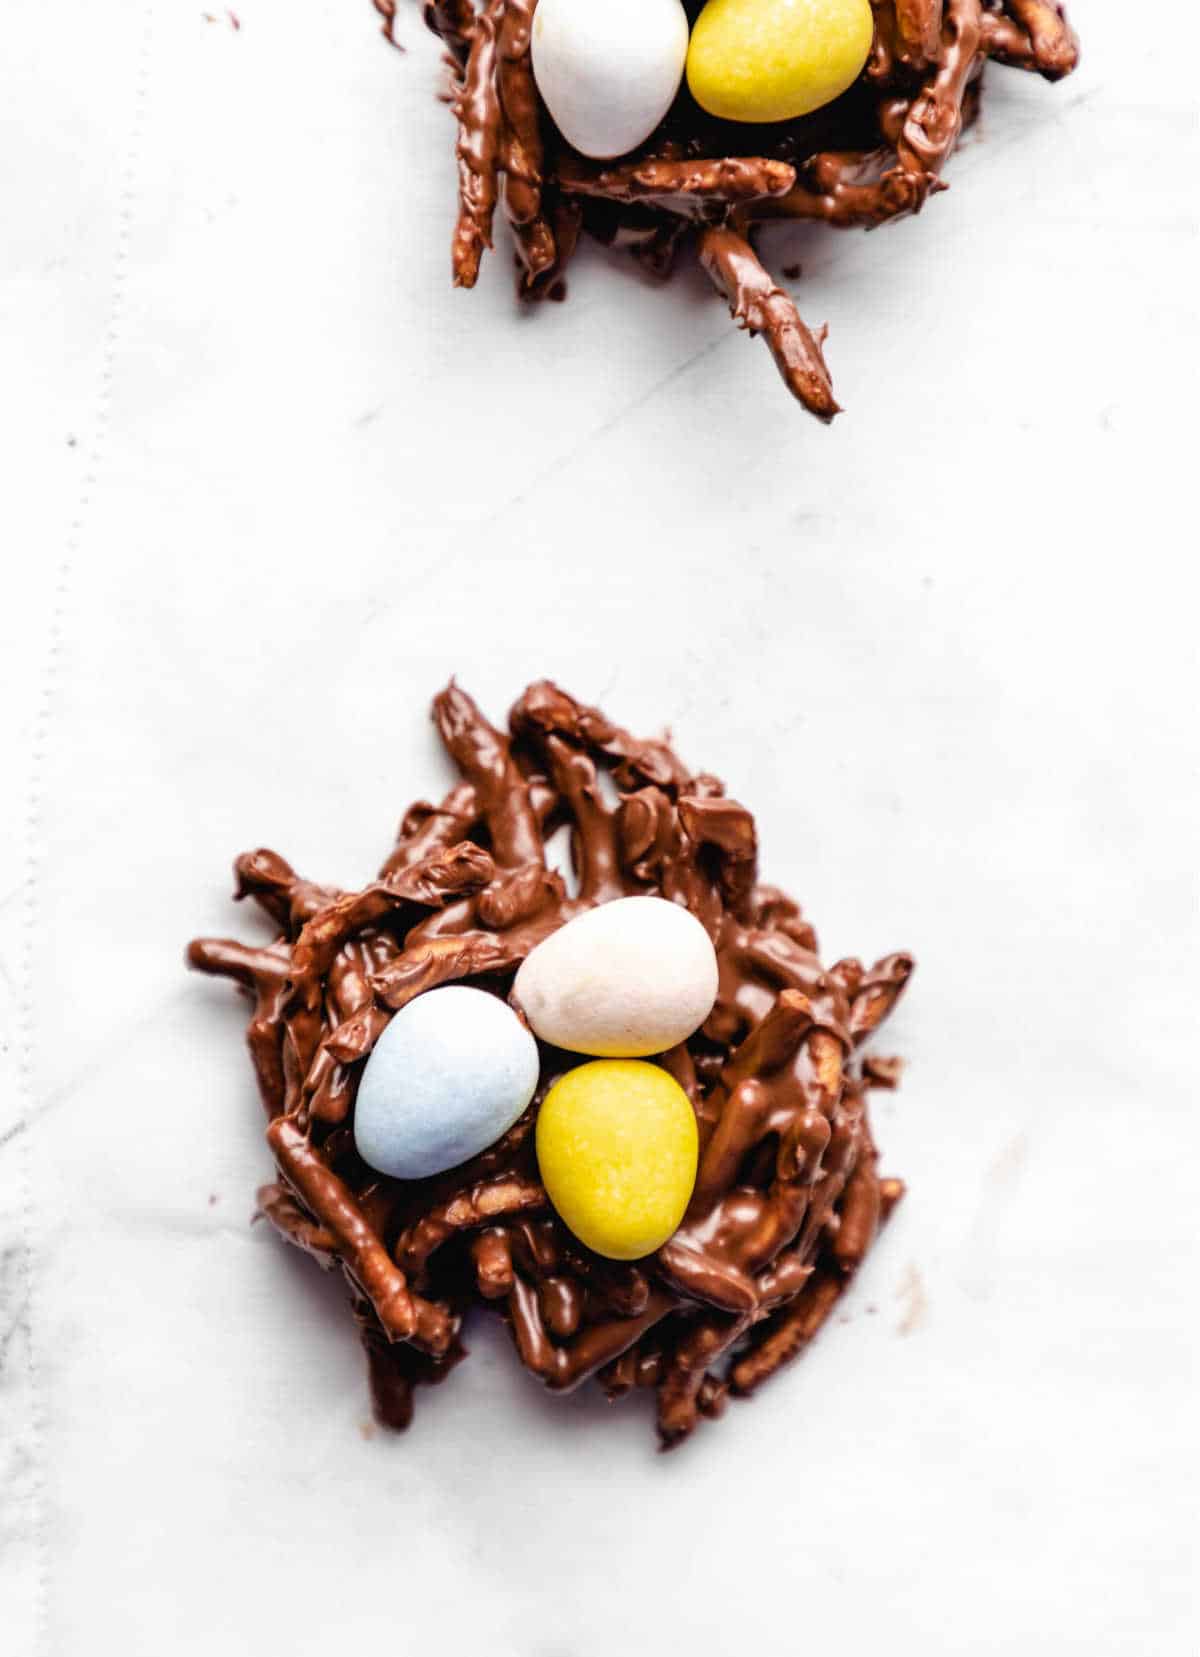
{"x": 788, "y": 1198}
{"x": 874, "y": 154}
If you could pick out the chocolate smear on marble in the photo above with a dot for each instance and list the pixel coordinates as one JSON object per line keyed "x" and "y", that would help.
{"x": 874, "y": 154}
{"x": 788, "y": 1198}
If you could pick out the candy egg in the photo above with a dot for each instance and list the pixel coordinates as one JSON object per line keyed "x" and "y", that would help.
{"x": 449, "y": 1075}
{"x": 771, "y": 60}
{"x": 617, "y": 1149}
{"x": 630, "y": 977}
{"x": 608, "y": 70}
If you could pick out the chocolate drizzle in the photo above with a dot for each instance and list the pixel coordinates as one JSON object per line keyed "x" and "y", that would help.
{"x": 874, "y": 154}
{"x": 787, "y": 1200}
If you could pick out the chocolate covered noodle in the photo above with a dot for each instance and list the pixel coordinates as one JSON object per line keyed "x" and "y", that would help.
{"x": 706, "y": 185}
{"x": 788, "y": 1198}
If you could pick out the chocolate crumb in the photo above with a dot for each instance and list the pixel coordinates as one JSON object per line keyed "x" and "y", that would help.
{"x": 882, "y": 1072}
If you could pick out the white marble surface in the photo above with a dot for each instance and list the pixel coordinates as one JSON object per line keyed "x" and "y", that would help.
{"x": 268, "y": 482}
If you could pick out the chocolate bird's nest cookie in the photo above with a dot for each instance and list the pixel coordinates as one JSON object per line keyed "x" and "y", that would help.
{"x": 788, "y": 1198}
{"x": 876, "y": 153}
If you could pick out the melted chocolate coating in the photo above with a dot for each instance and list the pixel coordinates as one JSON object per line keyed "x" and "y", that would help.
{"x": 787, "y": 1199}
{"x": 875, "y": 153}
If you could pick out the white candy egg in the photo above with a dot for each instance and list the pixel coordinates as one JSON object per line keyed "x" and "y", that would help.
{"x": 449, "y": 1075}
{"x": 608, "y": 70}
{"x": 631, "y": 977}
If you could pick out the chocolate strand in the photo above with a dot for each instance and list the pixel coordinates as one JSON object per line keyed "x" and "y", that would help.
{"x": 788, "y": 1334}
{"x": 793, "y": 1328}
{"x": 270, "y": 881}
{"x": 877, "y": 994}
{"x": 935, "y": 118}
{"x": 594, "y": 842}
{"x": 761, "y": 307}
{"x": 728, "y": 828}
{"x": 918, "y": 31}
{"x": 395, "y": 1368}
{"x": 483, "y": 756}
{"x": 477, "y": 110}
{"x": 426, "y": 829}
{"x": 1054, "y": 44}
{"x": 403, "y": 1316}
{"x": 482, "y": 1205}
{"x": 545, "y": 710}
{"x": 846, "y": 189}
{"x": 521, "y": 145}
{"x": 564, "y": 1367}
{"x": 276, "y": 1204}
{"x": 443, "y": 960}
{"x": 688, "y": 188}
{"x": 684, "y": 1377}
{"x": 453, "y": 21}
{"x": 861, "y": 1208}
{"x": 387, "y": 26}
{"x": 265, "y": 973}
{"x": 432, "y": 883}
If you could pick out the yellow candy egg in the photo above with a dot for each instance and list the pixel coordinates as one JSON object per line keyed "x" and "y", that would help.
{"x": 617, "y": 1148}
{"x": 771, "y": 60}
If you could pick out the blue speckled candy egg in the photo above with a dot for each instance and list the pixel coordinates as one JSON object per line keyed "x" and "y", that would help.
{"x": 451, "y": 1073}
